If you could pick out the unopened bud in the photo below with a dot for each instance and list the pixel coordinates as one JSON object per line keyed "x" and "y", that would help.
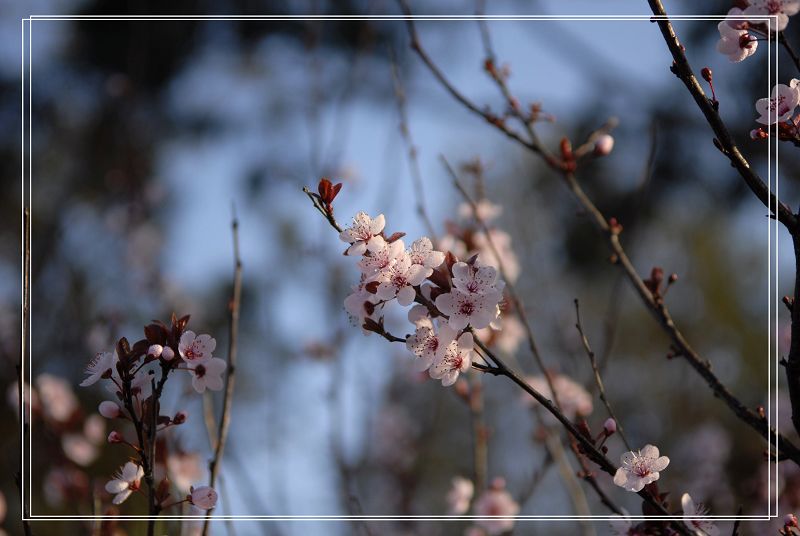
{"x": 115, "y": 437}
{"x": 180, "y": 417}
{"x": 155, "y": 350}
{"x": 610, "y": 426}
{"x": 707, "y": 74}
{"x": 790, "y": 520}
{"x": 167, "y": 354}
{"x": 758, "y": 134}
{"x": 604, "y": 145}
{"x": 109, "y": 409}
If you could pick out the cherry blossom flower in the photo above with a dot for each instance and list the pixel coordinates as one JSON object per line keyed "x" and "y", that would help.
{"x": 460, "y": 495}
{"x": 693, "y": 515}
{"x": 361, "y": 231}
{"x": 208, "y": 374}
{"x": 424, "y": 344}
{"x": 381, "y": 255}
{"x": 477, "y": 279}
{"x": 496, "y": 501}
{"x": 782, "y": 8}
{"x": 463, "y": 308}
{"x": 737, "y": 44}
{"x": 454, "y": 356}
{"x": 196, "y": 348}
{"x": 398, "y": 279}
{"x": 102, "y": 363}
{"x": 780, "y": 106}
{"x": 422, "y": 253}
{"x": 575, "y": 401}
{"x": 637, "y": 469}
{"x": 203, "y": 497}
{"x": 125, "y": 482}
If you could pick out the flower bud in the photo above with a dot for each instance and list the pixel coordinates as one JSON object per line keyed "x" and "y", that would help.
{"x": 167, "y": 354}
{"x": 109, "y": 409}
{"x": 115, "y": 437}
{"x": 604, "y": 145}
{"x": 790, "y": 520}
{"x": 180, "y": 417}
{"x": 203, "y": 497}
{"x": 155, "y": 350}
{"x": 707, "y": 74}
{"x": 610, "y": 426}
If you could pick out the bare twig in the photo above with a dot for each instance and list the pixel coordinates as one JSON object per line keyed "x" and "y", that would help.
{"x": 598, "y": 380}
{"x": 411, "y": 149}
{"x": 21, "y": 387}
{"x": 230, "y": 377}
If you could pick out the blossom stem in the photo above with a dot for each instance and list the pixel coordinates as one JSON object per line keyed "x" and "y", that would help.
{"x": 597, "y": 378}
{"x": 230, "y": 377}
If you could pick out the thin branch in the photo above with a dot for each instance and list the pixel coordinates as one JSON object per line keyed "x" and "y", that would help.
{"x": 724, "y": 140}
{"x": 490, "y": 118}
{"x": 598, "y": 380}
{"x": 411, "y": 149}
{"x": 230, "y": 377}
{"x": 23, "y": 414}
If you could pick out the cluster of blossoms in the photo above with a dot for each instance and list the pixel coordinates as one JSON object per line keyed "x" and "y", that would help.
{"x": 131, "y": 377}
{"x": 495, "y": 505}
{"x": 739, "y": 35}
{"x": 453, "y": 296}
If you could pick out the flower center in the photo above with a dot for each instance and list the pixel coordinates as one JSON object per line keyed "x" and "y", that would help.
{"x": 467, "y": 308}
{"x": 399, "y": 281}
{"x": 473, "y": 286}
{"x": 640, "y": 467}
{"x": 200, "y": 371}
{"x": 774, "y": 7}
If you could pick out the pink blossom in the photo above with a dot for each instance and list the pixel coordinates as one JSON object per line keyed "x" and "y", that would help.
{"x": 424, "y": 344}
{"x": 422, "y": 253}
{"x": 57, "y": 398}
{"x": 196, "y": 348}
{"x": 398, "y": 280}
{"x": 125, "y": 482}
{"x": 362, "y": 230}
{"x": 208, "y": 374}
{"x": 735, "y": 43}
{"x": 637, "y": 469}
{"x": 380, "y": 256}
{"x": 453, "y": 356}
{"x": 780, "y": 106}
{"x": 109, "y": 409}
{"x": 463, "y": 308}
{"x": 604, "y": 145}
{"x": 102, "y": 363}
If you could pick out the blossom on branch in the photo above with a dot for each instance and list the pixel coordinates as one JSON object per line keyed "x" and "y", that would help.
{"x": 361, "y": 232}
{"x": 499, "y": 508}
{"x": 196, "y": 348}
{"x": 453, "y": 357}
{"x": 203, "y": 497}
{"x": 103, "y": 363}
{"x": 780, "y": 106}
{"x": 693, "y": 515}
{"x": 637, "y": 469}
{"x": 208, "y": 374}
{"x": 737, "y": 44}
{"x": 125, "y": 482}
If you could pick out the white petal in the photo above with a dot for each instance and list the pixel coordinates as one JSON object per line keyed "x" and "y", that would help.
{"x": 121, "y": 496}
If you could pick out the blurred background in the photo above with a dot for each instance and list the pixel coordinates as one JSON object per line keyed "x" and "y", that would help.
{"x": 146, "y": 134}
